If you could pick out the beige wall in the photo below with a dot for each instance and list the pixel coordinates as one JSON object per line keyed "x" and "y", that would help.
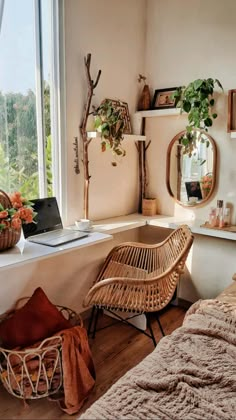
{"x": 113, "y": 31}
{"x": 187, "y": 40}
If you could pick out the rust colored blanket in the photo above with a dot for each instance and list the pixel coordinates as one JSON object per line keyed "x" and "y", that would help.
{"x": 191, "y": 375}
{"x": 78, "y": 369}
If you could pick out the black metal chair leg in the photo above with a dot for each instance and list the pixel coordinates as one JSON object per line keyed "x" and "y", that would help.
{"x": 95, "y": 322}
{"x": 158, "y": 321}
{"x": 149, "y": 325}
{"x": 91, "y": 321}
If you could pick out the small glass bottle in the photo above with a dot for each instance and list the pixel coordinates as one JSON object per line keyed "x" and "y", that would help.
{"x": 212, "y": 217}
{"x": 219, "y": 214}
{"x": 227, "y": 216}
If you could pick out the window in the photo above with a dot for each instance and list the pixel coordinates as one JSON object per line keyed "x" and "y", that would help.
{"x": 30, "y": 112}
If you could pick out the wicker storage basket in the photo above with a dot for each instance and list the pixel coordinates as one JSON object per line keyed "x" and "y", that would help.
{"x": 8, "y": 237}
{"x": 35, "y": 372}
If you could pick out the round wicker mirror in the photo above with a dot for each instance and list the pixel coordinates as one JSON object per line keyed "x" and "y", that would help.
{"x": 191, "y": 167}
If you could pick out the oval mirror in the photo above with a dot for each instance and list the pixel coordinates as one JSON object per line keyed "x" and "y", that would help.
{"x": 191, "y": 167}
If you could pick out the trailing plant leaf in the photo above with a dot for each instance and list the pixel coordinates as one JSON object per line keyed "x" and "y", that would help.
{"x": 110, "y": 122}
{"x": 197, "y": 101}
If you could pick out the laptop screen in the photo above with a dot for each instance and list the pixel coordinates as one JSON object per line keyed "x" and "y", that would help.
{"x": 48, "y": 217}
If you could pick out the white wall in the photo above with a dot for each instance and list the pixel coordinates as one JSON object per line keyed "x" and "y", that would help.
{"x": 187, "y": 40}
{"x": 113, "y": 31}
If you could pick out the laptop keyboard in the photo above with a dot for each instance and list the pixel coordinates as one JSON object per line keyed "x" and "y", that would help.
{"x": 54, "y": 234}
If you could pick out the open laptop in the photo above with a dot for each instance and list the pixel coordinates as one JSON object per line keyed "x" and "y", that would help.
{"x": 49, "y": 229}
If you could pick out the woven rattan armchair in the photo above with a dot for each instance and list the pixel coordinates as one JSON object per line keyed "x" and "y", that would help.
{"x": 140, "y": 278}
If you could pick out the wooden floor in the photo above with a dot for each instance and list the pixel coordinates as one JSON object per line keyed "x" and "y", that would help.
{"x": 115, "y": 350}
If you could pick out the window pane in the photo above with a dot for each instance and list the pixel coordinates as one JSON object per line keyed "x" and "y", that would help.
{"x": 18, "y": 132}
{"x": 20, "y": 156}
{"x": 46, "y": 69}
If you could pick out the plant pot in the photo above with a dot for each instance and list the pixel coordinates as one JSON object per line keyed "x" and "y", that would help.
{"x": 149, "y": 206}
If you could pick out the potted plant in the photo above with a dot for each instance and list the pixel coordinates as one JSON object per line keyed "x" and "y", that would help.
{"x": 197, "y": 100}
{"x": 110, "y": 122}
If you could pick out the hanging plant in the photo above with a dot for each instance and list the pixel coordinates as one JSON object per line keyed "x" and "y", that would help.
{"x": 110, "y": 122}
{"x": 197, "y": 100}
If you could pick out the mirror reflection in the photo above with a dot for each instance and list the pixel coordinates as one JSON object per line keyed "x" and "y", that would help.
{"x": 191, "y": 167}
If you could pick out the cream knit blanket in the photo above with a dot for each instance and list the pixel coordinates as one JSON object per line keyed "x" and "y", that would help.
{"x": 190, "y": 375}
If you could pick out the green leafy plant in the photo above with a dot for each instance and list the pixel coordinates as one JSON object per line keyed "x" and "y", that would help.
{"x": 198, "y": 102}
{"x": 110, "y": 122}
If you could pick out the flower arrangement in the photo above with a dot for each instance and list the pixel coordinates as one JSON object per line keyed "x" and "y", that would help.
{"x": 20, "y": 212}
{"x": 206, "y": 184}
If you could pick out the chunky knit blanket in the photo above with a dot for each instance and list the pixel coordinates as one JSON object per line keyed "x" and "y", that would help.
{"x": 190, "y": 375}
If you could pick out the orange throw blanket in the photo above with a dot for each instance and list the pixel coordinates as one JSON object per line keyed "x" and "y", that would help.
{"x": 78, "y": 369}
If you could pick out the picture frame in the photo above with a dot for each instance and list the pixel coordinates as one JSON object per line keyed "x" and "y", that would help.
{"x": 231, "y": 122}
{"x": 193, "y": 189}
{"x": 123, "y": 106}
{"x": 162, "y": 98}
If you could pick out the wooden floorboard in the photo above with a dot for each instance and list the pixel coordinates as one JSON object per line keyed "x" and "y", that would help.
{"x": 115, "y": 350}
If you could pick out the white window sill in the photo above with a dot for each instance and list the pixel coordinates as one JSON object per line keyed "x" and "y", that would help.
{"x": 103, "y": 230}
{"x": 24, "y": 251}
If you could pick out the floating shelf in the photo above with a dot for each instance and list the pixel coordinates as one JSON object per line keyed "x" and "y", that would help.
{"x": 158, "y": 112}
{"x": 136, "y": 137}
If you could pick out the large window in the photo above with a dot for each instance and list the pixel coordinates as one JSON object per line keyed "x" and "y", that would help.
{"x": 29, "y": 110}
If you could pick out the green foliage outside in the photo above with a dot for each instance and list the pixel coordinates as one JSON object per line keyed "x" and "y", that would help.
{"x": 18, "y": 143}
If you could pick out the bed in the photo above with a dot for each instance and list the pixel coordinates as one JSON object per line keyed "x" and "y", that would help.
{"x": 191, "y": 374}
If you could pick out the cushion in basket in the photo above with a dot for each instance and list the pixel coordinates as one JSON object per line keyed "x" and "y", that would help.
{"x": 36, "y": 320}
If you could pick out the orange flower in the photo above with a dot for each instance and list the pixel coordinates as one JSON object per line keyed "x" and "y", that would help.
{"x": 16, "y": 223}
{"x": 17, "y": 200}
{"x": 3, "y": 214}
{"x": 6, "y": 223}
{"x": 26, "y": 214}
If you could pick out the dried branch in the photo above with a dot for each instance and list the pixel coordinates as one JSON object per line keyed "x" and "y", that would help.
{"x": 85, "y": 139}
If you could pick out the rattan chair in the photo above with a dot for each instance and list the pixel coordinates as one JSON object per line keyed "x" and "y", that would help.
{"x": 139, "y": 278}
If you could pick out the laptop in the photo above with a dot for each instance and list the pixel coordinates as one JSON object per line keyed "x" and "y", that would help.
{"x": 49, "y": 229}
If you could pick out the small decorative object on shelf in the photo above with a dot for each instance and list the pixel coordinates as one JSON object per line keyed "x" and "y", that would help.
{"x": 164, "y": 98}
{"x": 144, "y": 102}
{"x": 219, "y": 217}
{"x": 14, "y": 210}
{"x": 231, "y": 125}
{"x": 149, "y": 206}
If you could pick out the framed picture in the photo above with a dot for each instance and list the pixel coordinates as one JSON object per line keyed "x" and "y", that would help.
{"x": 123, "y": 107}
{"x": 193, "y": 189}
{"x": 163, "y": 98}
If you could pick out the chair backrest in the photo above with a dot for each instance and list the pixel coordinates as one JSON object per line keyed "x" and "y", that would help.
{"x": 144, "y": 261}
{"x": 142, "y": 277}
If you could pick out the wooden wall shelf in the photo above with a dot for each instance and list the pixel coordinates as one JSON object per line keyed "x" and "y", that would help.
{"x": 135, "y": 137}
{"x": 231, "y": 228}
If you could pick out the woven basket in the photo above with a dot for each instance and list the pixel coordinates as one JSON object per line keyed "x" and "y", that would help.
{"x": 8, "y": 237}
{"x": 35, "y": 372}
